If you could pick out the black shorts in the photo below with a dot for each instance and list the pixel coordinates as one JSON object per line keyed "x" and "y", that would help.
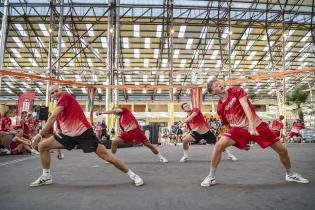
{"x": 87, "y": 141}
{"x": 209, "y": 137}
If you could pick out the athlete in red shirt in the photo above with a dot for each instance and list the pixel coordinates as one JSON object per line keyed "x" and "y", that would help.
{"x": 6, "y": 122}
{"x": 295, "y": 129}
{"x": 130, "y": 130}
{"x": 236, "y": 110}
{"x": 277, "y": 126}
{"x": 199, "y": 130}
{"x": 76, "y": 130}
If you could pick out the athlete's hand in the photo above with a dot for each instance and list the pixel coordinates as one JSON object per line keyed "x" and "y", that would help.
{"x": 252, "y": 130}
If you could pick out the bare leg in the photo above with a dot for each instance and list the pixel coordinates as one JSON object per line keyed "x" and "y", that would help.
{"x": 219, "y": 147}
{"x": 44, "y": 148}
{"x": 283, "y": 154}
{"x": 151, "y": 147}
{"x": 102, "y": 153}
{"x": 114, "y": 145}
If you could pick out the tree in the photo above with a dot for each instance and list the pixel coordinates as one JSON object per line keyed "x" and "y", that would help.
{"x": 297, "y": 97}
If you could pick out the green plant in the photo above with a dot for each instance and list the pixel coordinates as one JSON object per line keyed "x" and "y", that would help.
{"x": 297, "y": 97}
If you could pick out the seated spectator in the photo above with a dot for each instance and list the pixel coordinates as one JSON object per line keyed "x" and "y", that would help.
{"x": 19, "y": 144}
{"x": 98, "y": 130}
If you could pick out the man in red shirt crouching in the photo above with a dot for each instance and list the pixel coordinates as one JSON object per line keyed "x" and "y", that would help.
{"x": 130, "y": 130}
{"x": 237, "y": 112}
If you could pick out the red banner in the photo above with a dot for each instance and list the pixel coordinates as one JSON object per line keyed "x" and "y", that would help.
{"x": 196, "y": 97}
{"x": 25, "y": 103}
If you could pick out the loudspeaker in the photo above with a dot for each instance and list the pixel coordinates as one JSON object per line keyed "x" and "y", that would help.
{"x": 152, "y": 132}
{"x": 42, "y": 112}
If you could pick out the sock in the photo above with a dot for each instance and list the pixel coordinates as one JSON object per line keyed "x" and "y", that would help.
{"x": 131, "y": 174}
{"x": 186, "y": 152}
{"x": 159, "y": 155}
{"x": 212, "y": 171}
{"x": 289, "y": 171}
{"x": 46, "y": 172}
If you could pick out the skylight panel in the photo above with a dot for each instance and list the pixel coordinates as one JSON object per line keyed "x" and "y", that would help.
{"x": 128, "y": 78}
{"x": 161, "y": 78}
{"x": 288, "y": 45}
{"x": 25, "y": 85}
{"x": 146, "y": 42}
{"x": 182, "y": 30}
{"x": 136, "y": 30}
{"x": 67, "y": 30}
{"x": 203, "y": 32}
{"x": 9, "y": 84}
{"x": 89, "y": 60}
{"x": 214, "y": 55}
{"x": 16, "y": 53}
{"x": 36, "y": 53}
{"x": 32, "y": 61}
{"x": 125, "y": 42}
{"x": 13, "y": 61}
{"x": 40, "y": 42}
{"x": 189, "y": 43}
{"x": 104, "y": 42}
{"x": 78, "y": 78}
{"x": 225, "y": 33}
{"x": 18, "y": 42}
{"x": 178, "y": 78}
{"x": 90, "y": 29}
{"x": 20, "y": 29}
{"x": 249, "y": 45}
{"x": 136, "y": 53}
{"x": 269, "y": 33}
{"x": 43, "y": 29}
{"x": 182, "y": 63}
{"x": 159, "y": 91}
{"x": 209, "y": 44}
{"x": 246, "y": 33}
{"x": 164, "y": 62}
{"x": 236, "y": 63}
{"x": 145, "y": 78}
{"x": 308, "y": 35}
{"x": 94, "y": 77}
{"x": 176, "y": 53}
{"x": 253, "y": 64}
{"x": 156, "y": 53}
{"x": 127, "y": 62}
{"x": 146, "y": 62}
{"x": 84, "y": 90}
{"x": 8, "y": 90}
{"x": 159, "y": 31}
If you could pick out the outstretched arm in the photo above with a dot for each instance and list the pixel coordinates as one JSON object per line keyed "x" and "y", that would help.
{"x": 113, "y": 111}
{"x": 50, "y": 122}
{"x": 250, "y": 116}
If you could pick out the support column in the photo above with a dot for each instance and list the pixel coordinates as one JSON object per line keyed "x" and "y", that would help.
{"x": 229, "y": 36}
{"x": 52, "y": 4}
{"x": 3, "y": 35}
{"x": 59, "y": 38}
{"x": 111, "y": 56}
{"x": 117, "y": 56}
{"x": 170, "y": 35}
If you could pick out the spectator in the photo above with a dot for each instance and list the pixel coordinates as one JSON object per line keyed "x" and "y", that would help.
{"x": 98, "y": 130}
{"x": 19, "y": 144}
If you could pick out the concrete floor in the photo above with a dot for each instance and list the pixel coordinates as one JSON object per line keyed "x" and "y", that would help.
{"x": 82, "y": 181}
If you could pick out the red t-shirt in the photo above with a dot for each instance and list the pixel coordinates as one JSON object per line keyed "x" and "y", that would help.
{"x": 6, "y": 123}
{"x": 198, "y": 121}
{"x": 296, "y": 127}
{"x": 231, "y": 111}
{"x": 127, "y": 121}
{"x": 72, "y": 120}
{"x": 277, "y": 125}
{"x": 27, "y": 128}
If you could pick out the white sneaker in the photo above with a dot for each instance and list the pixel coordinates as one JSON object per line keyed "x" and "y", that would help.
{"x": 5, "y": 151}
{"x": 232, "y": 157}
{"x": 296, "y": 178}
{"x": 137, "y": 180}
{"x": 183, "y": 159}
{"x": 60, "y": 156}
{"x": 208, "y": 181}
{"x": 41, "y": 181}
{"x": 34, "y": 152}
{"x": 163, "y": 160}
